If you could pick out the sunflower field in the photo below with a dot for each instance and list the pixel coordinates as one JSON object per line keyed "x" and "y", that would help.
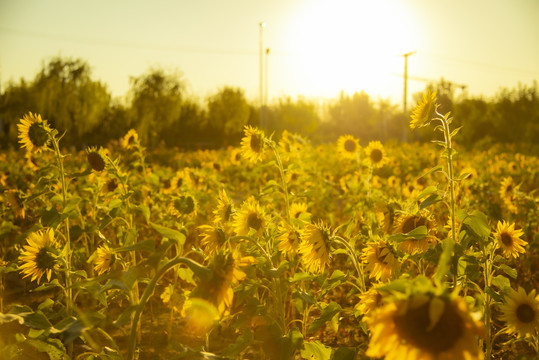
{"x": 275, "y": 249}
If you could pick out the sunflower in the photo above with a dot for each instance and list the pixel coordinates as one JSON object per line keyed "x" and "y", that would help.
{"x": 39, "y": 257}
{"x": 423, "y": 111}
{"x": 110, "y": 185}
{"x": 95, "y": 158}
{"x": 212, "y": 238}
{"x": 13, "y": 200}
{"x": 314, "y": 247}
{"x": 409, "y": 222}
{"x": 288, "y": 241}
{"x": 348, "y": 146}
{"x": 130, "y": 140}
{"x": 224, "y": 273}
{"x": 252, "y": 144}
{"x": 380, "y": 261}
{"x": 104, "y": 259}
{"x": 33, "y": 132}
{"x": 181, "y": 180}
{"x": 249, "y": 216}
{"x": 184, "y": 205}
{"x": 369, "y": 302}
{"x": 424, "y": 327}
{"x": 375, "y": 154}
{"x": 299, "y": 211}
{"x": 509, "y": 239}
{"x": 507, "y": 189}
{"x": 224, "y": 209}
{"x": 521, "y": 312}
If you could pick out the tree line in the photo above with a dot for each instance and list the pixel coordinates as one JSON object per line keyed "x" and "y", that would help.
{"x": 159, "y": 107}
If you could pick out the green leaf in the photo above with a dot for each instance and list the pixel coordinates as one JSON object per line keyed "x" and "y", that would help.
{"x": 509, "y": 270}
{"x": 69, "y": 328}
{"x": 434, "y": 169}
{"x": 501, "y": 282}
{"x": 299, "y": 276}
{"x": 478, "y": 223}
{"x": 469, "y": 266}
{"x": 144, "y": 210}
{"x": 344, "y": 353}
{"x": 418, "y": 233}
{"x": 444, "y": 262}
{"x": 455, "y": 132}
{"x": 51, "y": 218}
{"x": 327, "y": 314}
{"x": 241, "y": 343}
{"x": 146, "y": 245}
{"x": 52, "y": 347}
{"x": 169, "y": 233}
{"x": 431, "y": 200}
{"x": 426, "y": 192}
{"x": 315, "y": 350}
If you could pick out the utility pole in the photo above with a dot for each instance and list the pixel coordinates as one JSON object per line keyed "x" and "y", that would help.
{"x": 405, "y": 95}
{"x": 266, "y": 80}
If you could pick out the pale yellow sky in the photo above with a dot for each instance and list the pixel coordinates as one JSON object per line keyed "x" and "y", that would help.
{"x": 317, "y": 48}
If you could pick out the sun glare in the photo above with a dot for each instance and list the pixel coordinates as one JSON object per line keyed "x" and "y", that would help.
{"x": 351, "y": 45}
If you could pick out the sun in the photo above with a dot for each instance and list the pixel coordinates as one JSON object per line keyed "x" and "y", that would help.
{"x": 350, "y": 45}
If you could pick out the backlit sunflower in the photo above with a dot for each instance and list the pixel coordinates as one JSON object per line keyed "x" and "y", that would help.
{"x": 407, "y": 222}
{"x": 184, "y": 205}
{"x": 424, "y": 327}
{"x": 369, "y": 301}
{"x": 104, "y": 259}
{"x": 348, "y": 146}
{"x": 181, "y": 180}
{"x": 33, "y": 132}
{"x": 224, "y": 273}
{"x": 249, "y": 216}
{"x": 375, "y": 154}
{"x": 252, "y": 144}
{"x": 223, "y": 211}
{"x": 288, "y": 241}
{"x": 130, "y": 140}
{"x": 39, "y": 256}
{"x": 521, "y": 312}
{"x": 212, "y": 238}
{"x": 95, "y": 158}
{"x": 421, "y": 116}
{"x": 509, "y": 239}
{"x": 314, "y": 247}
{"x": 380, "y": 261}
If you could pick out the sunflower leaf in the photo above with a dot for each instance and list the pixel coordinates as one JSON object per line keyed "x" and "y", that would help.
{"x": 316, "y": 350}
{"x": 169, "y": 233}
{"x": 509, "y": 271}
{"x": 327, "y": 314}
{"x": 501, "y": 282}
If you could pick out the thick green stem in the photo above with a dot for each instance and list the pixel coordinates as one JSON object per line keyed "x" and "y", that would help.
{"x": 144, "y": 299}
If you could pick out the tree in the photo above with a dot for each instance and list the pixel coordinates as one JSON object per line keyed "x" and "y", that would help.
{"x": 71, "y": 101}
{"x": 156, "y": 100}
{"x": 228, "y": 113}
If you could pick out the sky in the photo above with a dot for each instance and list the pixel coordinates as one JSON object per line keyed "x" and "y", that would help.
{"x": 316, "y": 48}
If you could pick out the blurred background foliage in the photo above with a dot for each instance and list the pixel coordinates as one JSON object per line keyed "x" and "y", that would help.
{"x": 159, "y": 106}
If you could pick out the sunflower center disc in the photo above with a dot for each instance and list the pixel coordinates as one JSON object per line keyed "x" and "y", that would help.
{"x": 525, "y": 313}
{"x": 413, "y": 326}
{"x": 253, "y": 221}
{"x": 350, "y": 146}
{"x": 507, "y": 240}
{"x": 44, "y": 260}
{"x": 256, "y": 143}
{"x": 376, "y": 155}
{"x": 96, "y": 161}
{"x": 37, "y": 135}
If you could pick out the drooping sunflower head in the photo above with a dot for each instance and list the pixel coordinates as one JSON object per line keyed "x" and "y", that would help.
{"x": 253, "y": 144}
{"x": 40, "y": 255}
{"x": 224, "y": 209}
{"x": 421, "y": 116}
{"x": 408, "y": 222}
{"x": 375, "y": 154}
{"x": 33, "y": 132}
{"x": 315, "y": 247}
{"x": 424, "y": 326}
{"x": 104, "y": 259}
{"x": 95, "y": 158}
{"x": 507, "y": 189}
{"x": 184, "y": 205}
{"x": 249, "y": 216}
{"x": 130, "y": 140}
{"x": 369, "y": 302}
{"x": 380, "y": 260}
{"x": 348, "y": 146}
{"x": 521, "y": 312}
{"x": 212, "y": 238}
{"x": 509, "y": 239}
